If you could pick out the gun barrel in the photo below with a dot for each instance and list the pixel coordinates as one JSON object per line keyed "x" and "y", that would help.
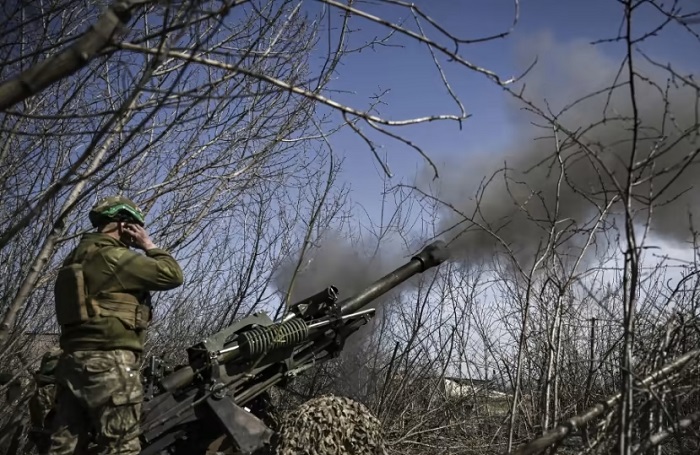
{"x": 432, "y": 255}
{"x": 178, "y": 379}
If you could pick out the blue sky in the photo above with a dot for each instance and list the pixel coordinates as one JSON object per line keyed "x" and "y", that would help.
{"x": 416, "y": 89}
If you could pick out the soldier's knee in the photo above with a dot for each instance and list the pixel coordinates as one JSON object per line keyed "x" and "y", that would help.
{"x": 119, "y": 428}
{"x": 62, "y": 442}
{"x": 122, "y": 447}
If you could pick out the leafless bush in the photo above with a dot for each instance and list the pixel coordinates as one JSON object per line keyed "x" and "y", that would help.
{"x": 566, "y": 235}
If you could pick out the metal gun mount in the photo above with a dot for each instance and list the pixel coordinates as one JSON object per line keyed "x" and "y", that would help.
{"x": 231, "y": 371}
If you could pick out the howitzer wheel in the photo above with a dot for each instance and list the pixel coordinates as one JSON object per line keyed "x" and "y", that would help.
{"x": 330, "y": 425}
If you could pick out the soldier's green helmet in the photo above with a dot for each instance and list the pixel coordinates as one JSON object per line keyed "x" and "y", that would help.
{"x": 115, "y": 208}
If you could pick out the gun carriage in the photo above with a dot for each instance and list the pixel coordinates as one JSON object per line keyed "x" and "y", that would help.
{"x": 219, "y": 398}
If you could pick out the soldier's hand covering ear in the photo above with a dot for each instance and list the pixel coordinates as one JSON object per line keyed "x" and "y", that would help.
{"x": 139, "y": 237}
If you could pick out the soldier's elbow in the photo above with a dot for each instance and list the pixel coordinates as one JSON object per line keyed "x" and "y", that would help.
{"x": 176, "y": 278}
{"x": 170, "y": 276}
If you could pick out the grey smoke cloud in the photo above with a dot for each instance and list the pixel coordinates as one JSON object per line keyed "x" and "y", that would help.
{"x": 350, "y": 266}
{"x": 333, "y": 261}
{"x": 518, "y": 209}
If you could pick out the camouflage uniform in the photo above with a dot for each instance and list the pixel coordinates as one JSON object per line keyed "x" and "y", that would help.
{"x": 99, "y": 391}
{"x": 11, "y": 385}
{"x": 42, "y": 401}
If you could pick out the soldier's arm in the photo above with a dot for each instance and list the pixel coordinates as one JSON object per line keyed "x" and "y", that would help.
{"x": 157, "y": 270}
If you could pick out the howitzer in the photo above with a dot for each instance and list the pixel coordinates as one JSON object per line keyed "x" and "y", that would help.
{"x": 218, "y": 397}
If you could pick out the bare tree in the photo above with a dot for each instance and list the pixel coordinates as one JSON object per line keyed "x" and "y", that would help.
{"x": 214, "y": 116}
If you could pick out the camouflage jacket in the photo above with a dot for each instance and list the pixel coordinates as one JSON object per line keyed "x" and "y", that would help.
{"x": 116, "y": 268}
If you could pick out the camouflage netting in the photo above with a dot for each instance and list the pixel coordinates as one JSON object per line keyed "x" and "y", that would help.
{"x": 330, "y": 426}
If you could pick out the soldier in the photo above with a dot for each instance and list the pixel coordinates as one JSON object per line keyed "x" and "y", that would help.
{"x": 6, "y": 380}
{"x": 41, "y": 403}
{"x": 103, "y": 306}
